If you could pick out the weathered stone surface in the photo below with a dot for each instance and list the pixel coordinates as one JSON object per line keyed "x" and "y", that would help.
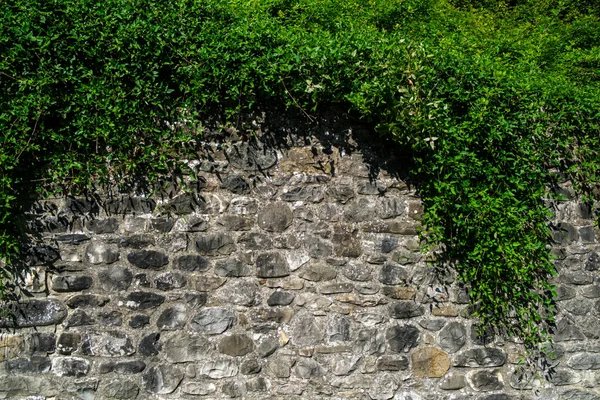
{"x": 35, "y": 312}
{"x": 163, "y": 225}
{"x": 346, "y": 242}
{"x": 32, "y": 364}
{"x": 406, "y": 309}
{"x": 255, "y": 241}
{"x": 593, "y": 262}
{"x": 18, "y": 386}
{"x": 68, "y": 342}
{"x": 172, "y": 318}
{"x": 170, "y": 281}
{"x": 232, "y": 267}
{"x": 232, "y": 222}
{"x": 341, "y": 193}
{"x": 251, "y": 156}
{"x": 71, "y": 283}
{"x": 306, "y": 330}
{"x": 162, "y": 379}
{"x": 234, "y": 389}
{"x": 137, "y": 242}
{"x": 215, "y": 244}
{"x": 38, "y": 342}
{"x": 585, "y": 361}
{"x": 110, "y": 318}
{"x": 564, "y": 233}
{"x": 183, "y": 347}
{"x": 399, "y": 292}
{"x": 393, "y": 274}
{"x": 271, "y": 265}
{"x": 307, "y": 368}
{"x": 392, "y": 363}
{"x": 402, "y": 338}
{"x": 139, "y": 321}
{"x": 359, "y": 211}
{"x": 150, "y": 345}
{"x": 333, "y": 288}
{"x": 563, "y": 377}
{"x": 70, "y": 366}
{"x": 114, "y": 279}
{"x": 576, "y": 278}
{"x": 318, "y": 272}
{"x": 217, "y": 369}
{"x": 267, "y": 347}
{"x": 119, "y": 389}
{"x": 318, "y": 248}
{"x": 236, "y": 345}
{"x": 198, "y": 388}
{"x": 579, "y": 394}
{"x": 72, "y": 238}
{"x": 430, "y": 362}
{"x": 454, "y": 382}
{"x": 235, "y": 184}
{"x": 241, "y": 293}
{"x": 390, "y": 207}
{"x": 78, "y": 318}
{"x": 148, "y": 259}
{"x": 185, "y": 203}
{"x": 191, "y": 263}
{"x": 304, "y": 193}
{"x": 212, "y": 321}
{"x": 258, "y": 385}
{"x": 101, "y": 226}
{"x": 87, "y": 301}
{"x": 207, "y": 283}
{"x": 480, "y": 357}
{"x": 129, "y": 205}
{"x": 453, "y": 337}
{"x": 100, "y": 253}
{"x": 280, "y": 367}
{"x": 107, "y": 344}
{"x": 486, "y": 381}
{"x": 281, "y": 298}
{"x": 143, "y": 300}
{"x": 567, "y": 331}
{"x": 275, "y": 217}
{"x": 250, "y": 367}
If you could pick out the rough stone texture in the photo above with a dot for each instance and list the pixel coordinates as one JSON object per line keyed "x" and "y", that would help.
{"x": 453, "y": 337}
{"x": 182, "y": 347}
{"x": 162, "y": 379}
{"x": 236, "y": 345}
{"x": 212, "y": 321}
{"x": 271, "y": 265}
{"x": 37, "y": 312}
{"x": 276, "y": 217}
{"x": 114, "y": 279}
{"x": 289, "y": 270}
{"x": 148, "y": 259}
{"x": 430, "y": 362}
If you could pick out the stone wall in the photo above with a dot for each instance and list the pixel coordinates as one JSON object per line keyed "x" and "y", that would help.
{"x": 291, "y": 270}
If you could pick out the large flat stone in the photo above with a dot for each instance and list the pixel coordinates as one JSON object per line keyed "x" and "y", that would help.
{"x": 35, "y": 312}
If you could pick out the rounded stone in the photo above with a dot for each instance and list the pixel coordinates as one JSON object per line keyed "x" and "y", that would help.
{"x": 212, "y": 321}
{"x": 236, "y": 345}
{"x": 430, "y": 362}
{"x": 172, "y": 318}
{"x": 148, "y": 259}
{"x": 453, "y": 337}
{"x": 276, "y": 217}
{"x": 115, "y": 279}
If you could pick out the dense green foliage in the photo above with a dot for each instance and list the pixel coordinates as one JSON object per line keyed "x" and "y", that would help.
{"x": 489, "y": 97}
